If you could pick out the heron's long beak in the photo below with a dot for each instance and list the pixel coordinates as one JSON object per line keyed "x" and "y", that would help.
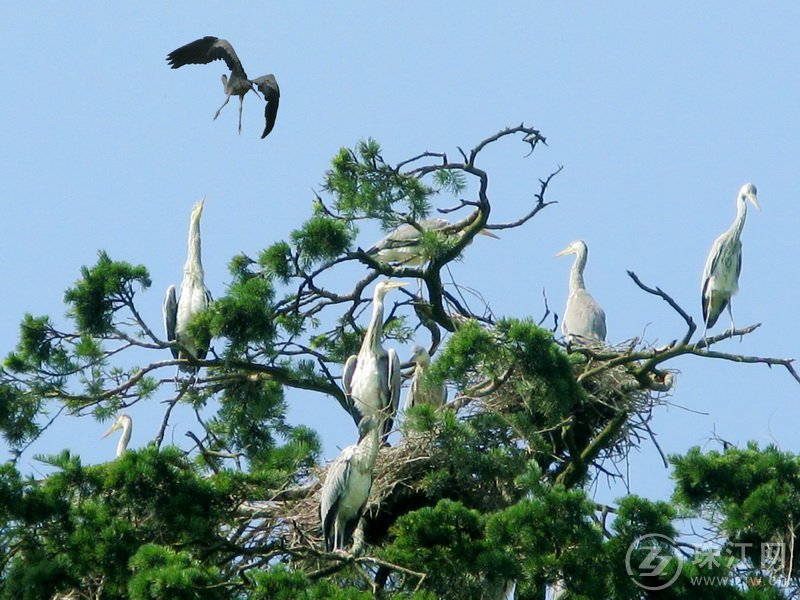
{"x": 396, "y": 284}
{"x": 113, "y": 428}
{"x": 488, "y": 233}
{"x": 754, "y": 200}
{"x": 565, "y": 251}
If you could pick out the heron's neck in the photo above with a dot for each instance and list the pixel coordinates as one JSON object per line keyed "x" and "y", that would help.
{"x": 741, "y": 215}
{"x": 372, "y": 339}
{"x": 576, "y": 274}
{"x": 371, "y": 443}
{"x": 194, "y": 265}
{"x": 126, "y": 437}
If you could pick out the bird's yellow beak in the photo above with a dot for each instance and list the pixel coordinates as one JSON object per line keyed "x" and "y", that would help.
{"x": 392, "y": 284}
{"x": 565, "y": 251}
{"x": 113, "y": 428}
{"x": 754, "y": 200}
{"x": 488, "y": 234}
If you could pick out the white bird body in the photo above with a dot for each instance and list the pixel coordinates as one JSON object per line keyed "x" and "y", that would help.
{"x": 210, "y": 48}
{"x": 194, "y": 296}
{"x": 584, "y": 319}
{"x": 125, "y": 423}
{"x": 419, "y": 391}
{"x": 371, "y": 378}
{"x": 724, "y": 263}
{"x": 347, "y": 485}
{"x": 402, "y": 244}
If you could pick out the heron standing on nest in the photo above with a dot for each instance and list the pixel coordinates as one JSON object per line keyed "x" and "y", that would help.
{"x": 584, "y": 319}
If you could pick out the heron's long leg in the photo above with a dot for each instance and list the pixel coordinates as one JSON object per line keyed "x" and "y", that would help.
{"x": 216, "y": 114}
{"x": 241, "y": 104}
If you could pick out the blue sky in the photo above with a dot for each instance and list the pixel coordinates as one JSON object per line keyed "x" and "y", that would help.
{"x": 658, "y": 113}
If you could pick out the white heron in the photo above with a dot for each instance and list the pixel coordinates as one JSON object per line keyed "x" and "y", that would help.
{"x": 724, "y": 263}
{"x": 584, "y": 319}
{"x": 371, "y": 378}
{"x": 125, "y": 423}
{"x": 420, "y": 391}
{"x": 347, "y": 485}
{"x": 403, "y": 245}
{"x": 210, "y": 48}
{"x": 194, "y": 297}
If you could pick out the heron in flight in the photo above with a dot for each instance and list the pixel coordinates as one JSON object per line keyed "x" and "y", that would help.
{"x": 724, "y": 263}
{"x": 371, "y": 378}
{"x": 347, "y": 485}
{"x": 403, "y": 244}
{"x": 584, "y": 319}
{"x": 194, "y": 297}
{"x": 210, "y": 48}
{"x": 420, "y": 391}
{"x": 125, "y": 423}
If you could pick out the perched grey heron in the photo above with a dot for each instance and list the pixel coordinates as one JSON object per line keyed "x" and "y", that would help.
{"x": 347, "y": 484}
{"x": 194, "y": 297}
{"x": 584, "y": 319}
{"x": 125, "y": 423}
{"x": 210, "y": 48}
{"x": 371, "y": 379}
{"x": 420, "y": 392}
{"x": 724, "y": 263}
{"x": 402, "y": 244}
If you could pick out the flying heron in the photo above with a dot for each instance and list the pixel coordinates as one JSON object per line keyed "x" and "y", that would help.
{"x": 125, "y": 423}
{"x": 194, "y": 297}
{"x": 210, "y": 48}
{"x": 420, "y": 391}
{"x": 371, "y": 379}
{"x": 724, "y": 263}
{"x": 403, "y": 244}
{"x": 347, "y": 484}
{"x": 584, "y": 319}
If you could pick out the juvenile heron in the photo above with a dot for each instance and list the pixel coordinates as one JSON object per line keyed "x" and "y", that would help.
{"x": 403, "y": 245}
{"x": 724, "y": 263}
{"x": 125, "y": 423}
{"x": 194, "y": 297}
{"x": 371, "y": 379}
{"x": 347, "y": 484}
{"x": 584, "y": 319}
{"x": 210, "y": 48}
{"x": 420, "y": 391}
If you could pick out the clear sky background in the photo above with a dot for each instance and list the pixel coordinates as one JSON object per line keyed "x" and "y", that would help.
{"x": 658, "y": 112}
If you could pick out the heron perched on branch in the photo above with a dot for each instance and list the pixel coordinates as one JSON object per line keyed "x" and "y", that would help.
{"x": 125, "y": 423}
{"x": 420, "y": 391}
{"x": 724, "y": 263}
{"x": 371, "y": 379}
{"x": 403, "y": 245}
{"x": 347, "y": 485}
{"x": 584, "y": 319}
{"x": 210, "y": 48}
{"x": 194, "y": 298}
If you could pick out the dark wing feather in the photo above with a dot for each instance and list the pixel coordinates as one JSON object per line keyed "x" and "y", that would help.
{"x": 335, "y": 483}
{"x": 202, "y": 352}
{"x": 170, "y": 316}
{"x": 268, "y": 86}
{"x": 204, "y": 51}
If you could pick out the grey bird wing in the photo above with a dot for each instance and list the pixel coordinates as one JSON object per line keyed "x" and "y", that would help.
{"x": 268, "y": 86}
{"x": 335, "y": 483}
{"x": 170, "y": 316}
{"x": 204, "y": 51}
{"x": 347, "y": 384}
{"x": 393, "y": 381}
{"x": 585, "y": 317}
{"x": 208, "y": 299}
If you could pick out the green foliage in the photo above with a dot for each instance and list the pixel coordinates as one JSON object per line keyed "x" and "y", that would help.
{"x": 102, "y": 290}
{"x": 364, "y": 185}
{"x": 321, "y": 238}
{"x": 160, "y": 572}
{"x": 276, "y": 261}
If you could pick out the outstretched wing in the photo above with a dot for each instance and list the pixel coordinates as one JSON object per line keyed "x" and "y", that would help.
{"x": 204, "y": 51}
{"x": 268, "y": 86}
{"x": 170, "y": 316}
